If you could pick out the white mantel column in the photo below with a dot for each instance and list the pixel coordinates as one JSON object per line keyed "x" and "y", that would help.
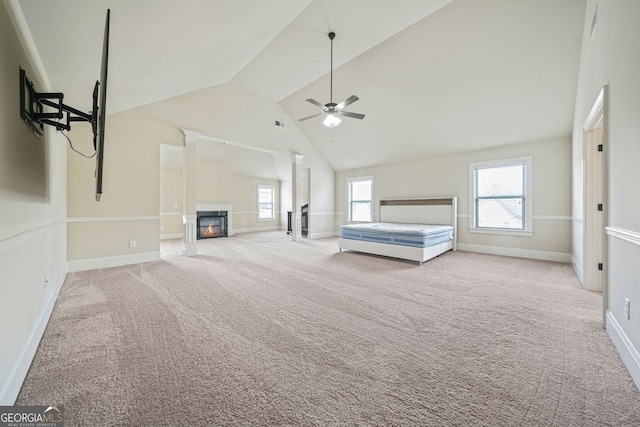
{"x": 296, "y": 215}
{"x": 189, "y": 217}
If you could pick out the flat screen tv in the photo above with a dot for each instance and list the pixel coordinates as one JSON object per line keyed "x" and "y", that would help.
{"x": 47, "y": 108}
{"x": 99, "y": 108}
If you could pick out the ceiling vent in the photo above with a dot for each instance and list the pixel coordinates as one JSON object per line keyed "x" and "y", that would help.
{"x": 280, "y": 124}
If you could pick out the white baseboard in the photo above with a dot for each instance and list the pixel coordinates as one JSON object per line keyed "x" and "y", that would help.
{"x": 171, "y": 236}
{"x": 11, "y": 387}
{"x": 113, "y": 261}
{"x": 513, "y": 252}
{"x": 628, "y": 353}
{"x": 577, "y": 268}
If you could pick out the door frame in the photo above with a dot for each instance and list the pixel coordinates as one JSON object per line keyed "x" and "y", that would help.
{"x": 595, "y": 180}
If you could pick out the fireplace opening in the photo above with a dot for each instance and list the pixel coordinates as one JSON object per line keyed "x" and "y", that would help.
{"x": 211, "y": 224}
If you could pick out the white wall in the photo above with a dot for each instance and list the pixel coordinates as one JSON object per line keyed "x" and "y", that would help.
{"x": 449, "y": 176}
{"x": 612, "y": 57}
{"x": 32, "y": 219}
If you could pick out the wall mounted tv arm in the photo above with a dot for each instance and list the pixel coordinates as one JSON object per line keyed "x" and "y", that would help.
{"x": 32, "y": 109}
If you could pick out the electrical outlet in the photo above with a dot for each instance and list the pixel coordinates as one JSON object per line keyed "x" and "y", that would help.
{"x": 627, "y": 308}
{"x": 132, "y": 243}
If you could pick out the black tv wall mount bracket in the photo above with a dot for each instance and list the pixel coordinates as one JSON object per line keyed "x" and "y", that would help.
{"x": 33, "y": 103}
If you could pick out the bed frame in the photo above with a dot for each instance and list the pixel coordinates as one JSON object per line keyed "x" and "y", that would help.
{"x": 436, "y": 211}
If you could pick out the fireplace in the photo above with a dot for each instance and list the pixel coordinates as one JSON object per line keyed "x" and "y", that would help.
{"x": 211, "y": 224}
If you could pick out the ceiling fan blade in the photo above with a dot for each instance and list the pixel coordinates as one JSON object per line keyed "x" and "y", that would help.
{"x": 316, "y": 103}
{"x": 349, "y": 100}
{"x": 310, "y": 117}
{"x": 350, "y": 114}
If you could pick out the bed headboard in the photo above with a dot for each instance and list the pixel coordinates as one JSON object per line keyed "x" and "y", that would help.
{"x": 441, "y": 210}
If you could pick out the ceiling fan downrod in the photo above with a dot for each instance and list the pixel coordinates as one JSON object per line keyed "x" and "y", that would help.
{"x": 331, "y": 109}
{"x": 332, "y": 36}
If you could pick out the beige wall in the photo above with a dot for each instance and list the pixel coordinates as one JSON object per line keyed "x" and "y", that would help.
{"x": 214, "y": 181}
{"x": 131, "y": 197}
{"x": 612, "y": 57}
{"x": 32, "y": 219}
{"x": 245, "y": 205}
{"x": 449, "y": 176}
{"x": 129, "y": 209}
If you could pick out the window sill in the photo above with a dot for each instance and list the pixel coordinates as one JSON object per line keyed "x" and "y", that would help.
{"x": 502, "y": 231}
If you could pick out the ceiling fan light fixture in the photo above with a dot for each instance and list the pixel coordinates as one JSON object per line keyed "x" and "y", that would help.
{"x": 331, "y": 121}
{"x": 331, "y": 109}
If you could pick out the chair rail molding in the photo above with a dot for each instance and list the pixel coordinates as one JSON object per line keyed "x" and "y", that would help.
{"x": 622, "y": 234}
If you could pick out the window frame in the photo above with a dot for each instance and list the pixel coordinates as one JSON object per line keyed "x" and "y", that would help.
{"x": 272, "y": 188}
{"x": 527, "y": 196}
{"x": 350, "y": 202}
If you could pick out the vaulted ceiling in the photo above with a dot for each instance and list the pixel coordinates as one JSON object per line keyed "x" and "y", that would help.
{"x": 434, "y": 77}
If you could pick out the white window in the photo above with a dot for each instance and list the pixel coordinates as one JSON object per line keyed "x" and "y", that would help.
{"x": 360, "y": 192}
{"x": 266, "y": 202}
{"x": 501, "y": 196}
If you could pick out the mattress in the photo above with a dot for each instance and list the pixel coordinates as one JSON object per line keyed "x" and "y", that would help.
{"x": 414, "y": 235}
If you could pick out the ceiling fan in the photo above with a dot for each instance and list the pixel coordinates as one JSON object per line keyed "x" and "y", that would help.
{"x": 331, "y": 109}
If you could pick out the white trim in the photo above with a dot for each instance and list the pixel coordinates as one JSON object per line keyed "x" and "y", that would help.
{"x": 503, "y": 231}
{"x": 114, "y": 219}
{"x": 212, "y": 206}
{"x": 189, "y": 235}
{"x": 13, "y": 383}
{"x": 537, "y": 217}
{"x": 190, "y": 135}
{"x": 274, "y": 213}
{"x": 171, "y": 214}
{"x": 596, "y": 115}
{"x": 628, "y": 353}
{"x": 351, "y": 180}
{"x": 514, "y": 252}
{"x": 112, "y": 261}
{"x": 577, "y": 220}
{"x": 527, "y": 162}
{"x": 622, "y": 234}
{"x": 197, "y": 137}
{"x": 577, "y": 268}
{"x": 10, "y": 241}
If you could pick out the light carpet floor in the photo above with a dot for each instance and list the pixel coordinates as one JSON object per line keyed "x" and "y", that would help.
{"x": 259, "y": 330}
